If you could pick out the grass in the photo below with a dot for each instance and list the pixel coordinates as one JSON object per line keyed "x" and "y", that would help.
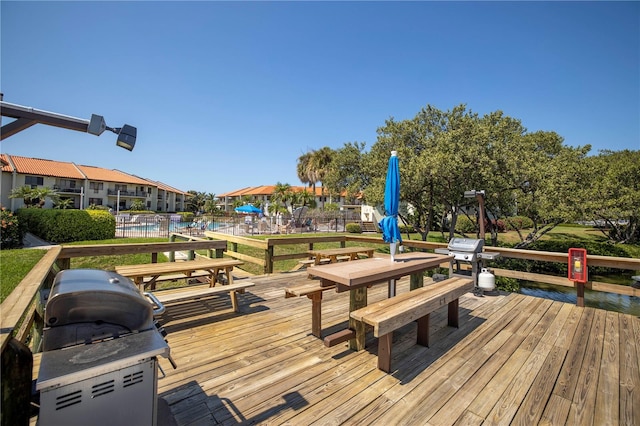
{"x": 15, "y": 264}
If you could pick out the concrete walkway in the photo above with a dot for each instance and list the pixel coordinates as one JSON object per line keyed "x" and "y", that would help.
{"x": 31, "y": 241}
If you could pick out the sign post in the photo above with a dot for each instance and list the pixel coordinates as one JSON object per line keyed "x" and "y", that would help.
{"x": 578, "y": 271}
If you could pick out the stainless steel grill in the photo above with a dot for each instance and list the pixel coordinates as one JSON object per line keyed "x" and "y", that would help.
{"x": 100, "y": 347}
{"x": 470, "y": 251}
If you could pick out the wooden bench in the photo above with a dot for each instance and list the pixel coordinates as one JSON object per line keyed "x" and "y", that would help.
{"x": 146, "y": 275}
{"x": 391, "y": 314}
{"x": 169, "y": 296}
{"x": 313, "y": 290}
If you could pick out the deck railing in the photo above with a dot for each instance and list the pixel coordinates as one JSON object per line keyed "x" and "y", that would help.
{"x": 21, "y": 315}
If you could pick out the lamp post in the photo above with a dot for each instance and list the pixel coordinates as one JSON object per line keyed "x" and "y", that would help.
{"x": 479, "y": 195}
{"x": 26, "y": 117}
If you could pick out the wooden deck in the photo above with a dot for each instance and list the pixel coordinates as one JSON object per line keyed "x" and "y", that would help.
{"x": 514, "y": 360}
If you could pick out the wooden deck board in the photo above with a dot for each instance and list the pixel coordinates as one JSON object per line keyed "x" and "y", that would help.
{"x": 513, "y": 360}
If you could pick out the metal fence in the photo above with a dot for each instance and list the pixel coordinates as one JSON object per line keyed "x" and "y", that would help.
{"x": 162, "y": 225}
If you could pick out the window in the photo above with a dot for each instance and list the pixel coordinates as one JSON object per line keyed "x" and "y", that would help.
{"x": 67, "y": 183}
{"x": 34, "y": 181}
{"x": 121, "y": 187}
{"x": 96, "y": 185}
{"x": 95, "y": 201}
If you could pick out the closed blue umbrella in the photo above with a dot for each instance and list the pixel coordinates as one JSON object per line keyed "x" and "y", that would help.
{"x": 389, "y": 223}
{"x": 248, "y": 209}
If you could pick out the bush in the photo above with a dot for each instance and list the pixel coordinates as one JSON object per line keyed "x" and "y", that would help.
{"x": 404, "y": 229}
{"x": 465, "y": 225}
{"x": 63, "y": 226}
{"x": 499, "y": 225}
{"x": 594, "y": 248}
{"x": 518, "y": 222}
{"x": 11, "y": 231}
{"x": 354, "y": 228}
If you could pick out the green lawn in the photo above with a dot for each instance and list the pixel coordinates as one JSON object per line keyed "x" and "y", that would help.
{"x": 15, "y": 264}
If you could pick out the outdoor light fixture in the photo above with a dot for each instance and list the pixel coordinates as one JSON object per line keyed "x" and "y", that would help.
{"x": 26, "y": 117}
{"x": 479, "y": 195}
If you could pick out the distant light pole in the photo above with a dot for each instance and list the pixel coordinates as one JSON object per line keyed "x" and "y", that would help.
{"x": 479, "y": 195}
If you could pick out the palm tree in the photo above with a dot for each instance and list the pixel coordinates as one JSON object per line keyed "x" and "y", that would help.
{"x": 33, "y": 197}
{"x": 210, "y": 205}
{"x": 281, "y": 194}
{"x": 24, "y": 192}
{"x": 305, "y": 173}
{"x": 319, "y": 163}
{"x": 196, "y": 201}
{"x": 63, "y": 203}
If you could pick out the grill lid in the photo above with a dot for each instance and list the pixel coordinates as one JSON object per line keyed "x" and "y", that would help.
{"x": 85, "y": 305}
{"x": 470, "y": 245}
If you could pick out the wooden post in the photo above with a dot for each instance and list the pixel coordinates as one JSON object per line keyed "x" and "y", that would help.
{"x": 580, "y": 293}
{"x": 384, "y": 352}
{"x": 416, "y": 281}
{"x": 316, "y": 313}
{"x": 17, "y": 366}
{"x": 423, "y": 331}
{"x": 357, "y": 300}
{"x": 268, "y": 264}
{"x": 172, "y": 254}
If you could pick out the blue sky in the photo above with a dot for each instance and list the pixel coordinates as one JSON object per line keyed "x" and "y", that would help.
{"x": 227, "y": 95}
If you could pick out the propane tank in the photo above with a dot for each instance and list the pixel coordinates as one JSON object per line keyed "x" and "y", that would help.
{"x": 486, "y": 280}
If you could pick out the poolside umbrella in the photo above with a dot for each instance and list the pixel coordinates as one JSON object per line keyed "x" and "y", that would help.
{"x": 248, "y": 209}
{"x": 389, "y": 223}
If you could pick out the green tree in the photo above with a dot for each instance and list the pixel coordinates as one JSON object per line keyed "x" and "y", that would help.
{"x": 305, "y": 173}
{"x": 34, "y": 197}
{"x": 138, "y": 205}
{"x": 282, "y": 195}
{"x": 210, "y": 206}
{"x": 612, "y": 195}
{"x": 345, "y": 172}
{"x": 63, "y": 203}
{"x": 196, "y": 201}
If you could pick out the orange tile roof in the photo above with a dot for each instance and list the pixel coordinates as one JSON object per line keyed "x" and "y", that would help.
{"x": 100, "y": 174}
{"x": 68, "y": 170}
{"x": 6, "y": 167}
{"x": 266, "y": 190}
{"x": 40, "y": 167}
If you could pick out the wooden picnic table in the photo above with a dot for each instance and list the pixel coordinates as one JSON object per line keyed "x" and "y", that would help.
{"x": 356, "y": 277}
{"x": 138, "y": 273}
{"x": 333, "y": 254}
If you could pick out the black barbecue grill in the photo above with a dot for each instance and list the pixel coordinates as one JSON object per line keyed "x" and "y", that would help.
{"x": 100, "y": 347}
{"x": 467, "y": 250}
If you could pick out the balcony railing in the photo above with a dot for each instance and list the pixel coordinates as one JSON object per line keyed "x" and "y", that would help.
{"x": 137, "y": 194}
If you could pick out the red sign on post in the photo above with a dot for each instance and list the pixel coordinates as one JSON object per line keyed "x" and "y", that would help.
{"x": 578, "y": 265}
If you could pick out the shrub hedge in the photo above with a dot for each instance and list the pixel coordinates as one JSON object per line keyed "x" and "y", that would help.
{"x": 354, "y": 228}
{"x": 63, "y": 226}
{"x": 11, "y": 230}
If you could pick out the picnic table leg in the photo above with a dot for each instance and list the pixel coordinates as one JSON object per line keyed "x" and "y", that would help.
{"x": 384, "y": 352}
{"x": 213, "y": 278}
{"x": 151, "y": 283}
{"x": 228, "y": 270}
{"x": 234, "y": 300}
{"x": 316, "y": 313}
{"x": 416, "y": 281}
{"x": 357, "y": 300}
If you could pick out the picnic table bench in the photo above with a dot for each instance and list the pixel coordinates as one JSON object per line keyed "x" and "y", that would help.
{"x": 313, "y": 290}
{"x": 391, "y": 314}
{"x": 177, "y": 295}
{"x": 147, "y": 274}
